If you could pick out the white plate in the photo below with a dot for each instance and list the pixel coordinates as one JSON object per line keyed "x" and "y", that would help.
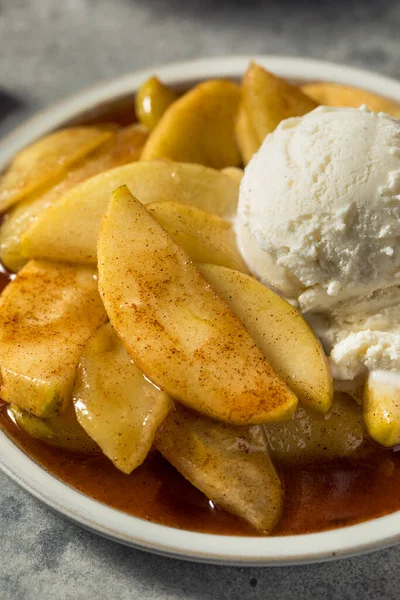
{"x": 124, "y": 528}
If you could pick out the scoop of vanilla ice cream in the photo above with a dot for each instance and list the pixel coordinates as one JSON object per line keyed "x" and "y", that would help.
{"x": 319, "y": 207}
{"x": 362, "y": 334}
{"x": 319, "y": 221}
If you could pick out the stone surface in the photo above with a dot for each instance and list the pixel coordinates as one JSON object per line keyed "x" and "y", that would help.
{"x": 49, "y": 50}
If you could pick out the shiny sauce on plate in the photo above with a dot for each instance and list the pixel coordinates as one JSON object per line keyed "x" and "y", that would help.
{"x": 317, "y": 496}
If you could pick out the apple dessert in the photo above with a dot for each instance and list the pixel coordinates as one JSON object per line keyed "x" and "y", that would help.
{"x": 200, "y": 345}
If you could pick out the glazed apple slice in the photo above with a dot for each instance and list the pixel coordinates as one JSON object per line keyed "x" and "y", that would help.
{"x": 205, "y": 237}
{"x": 44, "y": 161}
{"x": 115, "y": 404}
{"x": 381, "y": 407}
{"x": 46, "y": 315}
{"x": 199, "y": 127}
{"x": 310, "y": 436}
{"x": 280, "y": 331}
{"x": 61, "y": 430}
{"x": 268, "y": 100}
{"x": 179, "y": 332}
{"x": 336, "y": 94}
{"x": 152, "y": 100}
{"x": 123, "y": 147}
{"x": 230, "y": 465}
{"x": 69, "y": 229}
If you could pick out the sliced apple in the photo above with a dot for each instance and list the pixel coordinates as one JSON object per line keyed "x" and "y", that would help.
{"x": 61, "y": 430}
{"x": 45, "y": 161}
{"x": 381, "y": 407}
{"x": 124, "y": 147}
{"x": 336, "y": 94}
{"x": 46, "y": 315}
{"x": 115, "y": 404}
{"x": 309, "y": 436}
{"x": 199, "y": 127}
{"x": 280, "y": 331}
{"x": 152, "y": 100}
{"x": 246, "y": 137}
{"x": 268, "y": 100}
{"x": 69, "y": 229}
{"x": 205, "y": 237}
{"x": 179, "y": 332}
{"x": 230, "y": 465}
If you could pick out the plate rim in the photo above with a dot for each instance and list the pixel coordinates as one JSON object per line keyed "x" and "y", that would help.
{"x": 347, "y": 541}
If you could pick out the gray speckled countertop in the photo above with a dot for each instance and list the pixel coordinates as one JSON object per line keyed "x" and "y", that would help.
{"x": 48, "y": 50}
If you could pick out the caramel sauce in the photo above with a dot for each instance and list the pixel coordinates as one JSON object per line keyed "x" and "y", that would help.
{"x": 317, "y": 496}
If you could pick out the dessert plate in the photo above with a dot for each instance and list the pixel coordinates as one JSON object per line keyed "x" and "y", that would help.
{"x": 138, "y": 533}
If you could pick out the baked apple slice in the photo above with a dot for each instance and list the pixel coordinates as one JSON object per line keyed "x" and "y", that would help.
{"x": 123, "y": 147}
{"x": 205, "y": 237}
{"x": 61, "y": 430}
{"x": 199, "y": 127}
{"x": 281, "y": 332}
{"x": 230, "y": 465}
{"x": 115, "y": 404}
{"x": 268, "y": 100}
{"x": 152, "y": 100}
{"x": 45, "y": 161}
{"x": 46, "y": 315}
{"x": 69, "y": 229}
{"x": 179, "y": 332}
{"x": 336, "y": 94}
{"x": 309, "y": 436}
{"x": 381, "y": 407}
